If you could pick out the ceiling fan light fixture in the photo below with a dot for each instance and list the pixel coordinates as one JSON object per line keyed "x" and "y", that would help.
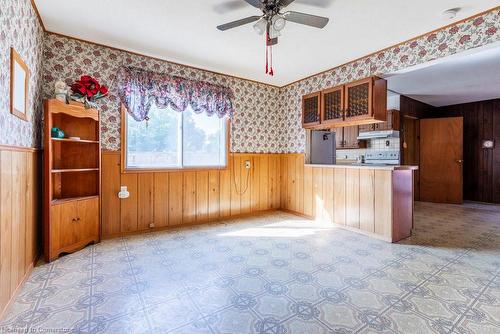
{"x": 278, "y": 22}
{"x": 260, "y": 26}
{"x": 273, "y": 33}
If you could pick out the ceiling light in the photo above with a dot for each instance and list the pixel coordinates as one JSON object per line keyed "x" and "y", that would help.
{"x": 278, "y": 22}
{"x": 273, "y": 33}
{"x": 450, "y": 13}
{"x": 260, "y": 26}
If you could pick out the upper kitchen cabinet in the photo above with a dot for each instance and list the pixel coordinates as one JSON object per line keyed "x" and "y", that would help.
{"x": 392, "y": 123}
{"x": 356, "y": 103}
{"x": 332, "y": 106}
{"x": 311, "y": 105}
{"x": 366, "y": 101}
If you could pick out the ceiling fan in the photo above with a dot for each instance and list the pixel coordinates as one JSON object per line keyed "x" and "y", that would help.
{"x": 272, "y": 21}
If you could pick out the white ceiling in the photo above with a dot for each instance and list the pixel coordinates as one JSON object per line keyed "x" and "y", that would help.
{"x": 467, "y": 77}
{"x": 184, "y": 31}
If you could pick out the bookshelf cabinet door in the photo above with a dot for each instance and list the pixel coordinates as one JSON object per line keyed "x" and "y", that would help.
{"x": 88, "y": 218}
{"x": 64, "y": 232}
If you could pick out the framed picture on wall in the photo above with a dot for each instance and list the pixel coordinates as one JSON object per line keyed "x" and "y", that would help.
{"x": 19, "y": 79}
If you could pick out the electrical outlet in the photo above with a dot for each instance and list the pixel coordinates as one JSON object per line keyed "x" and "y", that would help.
{"x": 151, "y": 225}
{"x": 247, "y": 164}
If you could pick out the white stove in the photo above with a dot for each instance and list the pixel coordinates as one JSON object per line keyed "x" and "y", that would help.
{"x": 382, "y": 158}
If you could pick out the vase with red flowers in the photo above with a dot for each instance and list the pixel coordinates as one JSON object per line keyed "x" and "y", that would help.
{"x": 88, "y": 90}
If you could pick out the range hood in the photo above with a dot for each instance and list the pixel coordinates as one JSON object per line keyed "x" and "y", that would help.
{"x": 378, "y": 134}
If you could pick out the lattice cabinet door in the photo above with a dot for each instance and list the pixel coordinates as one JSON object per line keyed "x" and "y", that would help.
{"x": 332, "y": 105}
{"x": 311, "y": 110}
{"x": 359, "y": 99}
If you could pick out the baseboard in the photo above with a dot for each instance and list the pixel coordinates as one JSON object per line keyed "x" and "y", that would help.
{"x": 180, "y": 226}
{"x": 18, "y": 289}
{"x": 352, "y": 229}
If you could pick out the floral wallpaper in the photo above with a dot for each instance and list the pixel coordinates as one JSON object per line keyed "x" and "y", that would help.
{"x": 267, "y": 118}
{"x": 19, "y": 28}
{"x": 255, "y": 122}
{"x": 479, "y": 31}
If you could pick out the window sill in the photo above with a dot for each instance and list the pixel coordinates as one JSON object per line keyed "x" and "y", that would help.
{"x": 170, "y": 170}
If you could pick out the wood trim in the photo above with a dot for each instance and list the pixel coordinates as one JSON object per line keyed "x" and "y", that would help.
{"x": 123, "y": 146}
{"x": 39, "y": 17}
{"x": 160, "y": 59}
{"x": 394, "y": 46}
{"x": 16, "y": 148}
{"x": 75, "y": 109}
{"x": 16, "y": 58}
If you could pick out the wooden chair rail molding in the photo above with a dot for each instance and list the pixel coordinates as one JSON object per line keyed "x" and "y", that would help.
{"x": 19, "y": 218}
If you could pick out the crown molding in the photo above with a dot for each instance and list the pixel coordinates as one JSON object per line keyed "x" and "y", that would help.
{"x": 255, "y": 81}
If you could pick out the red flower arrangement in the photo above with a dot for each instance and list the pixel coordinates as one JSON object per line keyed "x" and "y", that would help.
{"x": 88, "y": 90}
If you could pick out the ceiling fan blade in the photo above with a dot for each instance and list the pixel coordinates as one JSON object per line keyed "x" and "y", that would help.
{"x": 284, "y": 3}
{"x": 255, "y": 3}
{"x": 316, "y": 3}
{"x": 228, "y": 6}
{"x": 306, "y": 19}
{"x": 238, "y": 23}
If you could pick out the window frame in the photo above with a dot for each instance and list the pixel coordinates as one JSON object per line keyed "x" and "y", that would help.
{"x": 123, "y": 152}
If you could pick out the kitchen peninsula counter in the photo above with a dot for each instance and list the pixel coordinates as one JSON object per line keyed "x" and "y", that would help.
{"x": 366, "y": 166}
{"x": 376, "y": 200}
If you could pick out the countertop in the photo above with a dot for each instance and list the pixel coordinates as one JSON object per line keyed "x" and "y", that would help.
{"x": 365, "y": 166}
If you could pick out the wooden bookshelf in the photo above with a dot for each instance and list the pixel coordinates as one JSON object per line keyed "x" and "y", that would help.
{"x": 72, "y": 179}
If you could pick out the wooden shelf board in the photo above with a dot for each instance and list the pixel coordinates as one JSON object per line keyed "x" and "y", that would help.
{"x": 75, "y": 140}
{"x": 74, "y": 170}
{"x": 70, "y": 199}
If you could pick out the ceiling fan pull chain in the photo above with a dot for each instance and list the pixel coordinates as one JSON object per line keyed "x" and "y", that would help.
{"x": 267, "y": 56}
{"x": 267, "y": 63}
{"x": 271, "y": 72}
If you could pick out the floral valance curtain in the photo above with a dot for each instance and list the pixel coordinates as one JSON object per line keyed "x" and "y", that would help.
{"x": 139, "y": 89}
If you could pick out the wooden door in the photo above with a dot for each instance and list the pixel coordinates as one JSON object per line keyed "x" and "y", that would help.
{"x": 351, "y": 136}
{"x": 441, "y": 160}
{"x": 88, "y": 219}
{"x": 339, "y": 138}
{"x": 411, "y": 150}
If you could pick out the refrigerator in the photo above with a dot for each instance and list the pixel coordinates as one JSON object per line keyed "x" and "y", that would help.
{"x": 323, "y": 147}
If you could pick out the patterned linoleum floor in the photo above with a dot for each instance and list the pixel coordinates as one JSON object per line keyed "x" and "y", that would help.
{"x": 277, "y": 274}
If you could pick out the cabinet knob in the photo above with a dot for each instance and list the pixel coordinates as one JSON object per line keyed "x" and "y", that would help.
{"x": 73, "y": 220}
{"x": 78, "y": 219}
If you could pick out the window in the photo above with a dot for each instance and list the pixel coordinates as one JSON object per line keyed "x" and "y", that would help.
{"x": 175, "y": 140}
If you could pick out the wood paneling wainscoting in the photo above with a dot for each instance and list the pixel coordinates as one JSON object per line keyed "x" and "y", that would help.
{"x": 164, "y": 199}
{"x": 481, "y": 165}
{"x": 19, "y": 218}
{"x": 364, "y": 200}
